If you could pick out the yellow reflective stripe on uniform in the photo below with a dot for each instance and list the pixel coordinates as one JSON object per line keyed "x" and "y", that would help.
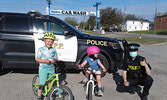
{"x": 134, "y": 67}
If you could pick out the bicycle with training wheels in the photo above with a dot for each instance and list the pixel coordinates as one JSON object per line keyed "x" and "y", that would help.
{"x": 53, "y": 92}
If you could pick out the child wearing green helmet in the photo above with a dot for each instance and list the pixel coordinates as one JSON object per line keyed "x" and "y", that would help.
{"x": 46, "y": 58}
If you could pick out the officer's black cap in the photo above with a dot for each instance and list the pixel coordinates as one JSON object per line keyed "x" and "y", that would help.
{"x": 133, "y": 46}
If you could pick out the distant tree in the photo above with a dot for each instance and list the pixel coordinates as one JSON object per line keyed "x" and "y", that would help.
{"x": 71, "y": 21}
{"x": 131, "y": 17}
{"x": 111, "y": 17}
{"x": 90, "y": 24}
{"x": 82, "y": 25}
{"x": 119, "y": 16}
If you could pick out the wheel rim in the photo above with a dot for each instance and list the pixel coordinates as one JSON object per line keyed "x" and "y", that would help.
{"x": 64, "y": 93}
{"x": 35, "y": 81}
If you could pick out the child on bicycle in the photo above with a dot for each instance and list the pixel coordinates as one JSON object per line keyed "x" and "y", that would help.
{"x": 46, "y": 58}
{"x": 94, "y": 64}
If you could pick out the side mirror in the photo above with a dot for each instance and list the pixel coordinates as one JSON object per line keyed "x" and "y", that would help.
{"x": 68, "y": 33}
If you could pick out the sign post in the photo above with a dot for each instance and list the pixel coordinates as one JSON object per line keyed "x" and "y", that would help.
{"x": 75, "y": 13}
{"x": 49, "y": 3}
{"x": 97, "y": 3}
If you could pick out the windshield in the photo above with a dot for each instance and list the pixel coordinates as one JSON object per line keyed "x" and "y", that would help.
{"x": 65, "y": 24}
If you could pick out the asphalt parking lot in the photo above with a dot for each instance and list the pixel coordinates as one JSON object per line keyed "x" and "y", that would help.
{"x": 16, "y": 84}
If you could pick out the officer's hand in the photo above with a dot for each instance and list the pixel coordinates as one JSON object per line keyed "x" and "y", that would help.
{"x": 126, "y": 83}
{"x": 143, "y": 63}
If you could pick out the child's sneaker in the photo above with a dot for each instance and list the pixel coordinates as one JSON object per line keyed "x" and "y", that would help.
{"x": 84, "y": 81}
{"x": 39, "y": 98}
{"x": 99, "y": 93}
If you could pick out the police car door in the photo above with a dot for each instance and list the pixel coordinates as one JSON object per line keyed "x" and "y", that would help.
{"x": 66, "y": 46}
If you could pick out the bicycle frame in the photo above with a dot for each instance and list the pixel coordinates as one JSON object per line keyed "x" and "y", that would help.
{"x": 91, "y": 80}
{"x": 52, "y": 79}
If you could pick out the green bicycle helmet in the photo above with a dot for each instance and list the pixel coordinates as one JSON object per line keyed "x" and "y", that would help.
{"x": 49, "y": 35}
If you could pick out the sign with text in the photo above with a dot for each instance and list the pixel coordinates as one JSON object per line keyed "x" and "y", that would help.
{"x": 69, "y": 12}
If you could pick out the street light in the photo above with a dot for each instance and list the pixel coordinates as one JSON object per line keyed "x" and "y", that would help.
{"x": 96, "y": 5}
{"x": 49, "y": 3}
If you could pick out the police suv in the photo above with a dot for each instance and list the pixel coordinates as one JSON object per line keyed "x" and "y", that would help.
{"x": 21, "y": 36}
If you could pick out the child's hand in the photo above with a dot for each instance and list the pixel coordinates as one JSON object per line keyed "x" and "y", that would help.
{"x": 104, "y": 70}
{"x": 47, "y": 61}
{"x": 52, "y": 61}
{"x": 79, "y": 66}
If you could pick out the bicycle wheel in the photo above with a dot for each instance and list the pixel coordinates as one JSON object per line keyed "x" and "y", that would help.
{"x": 90, "y": 87}
{"x": 35, "y": 81}
{"x": 66, "y": 93}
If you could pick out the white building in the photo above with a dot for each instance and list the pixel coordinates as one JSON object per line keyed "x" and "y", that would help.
{"x": 135, "y": 25}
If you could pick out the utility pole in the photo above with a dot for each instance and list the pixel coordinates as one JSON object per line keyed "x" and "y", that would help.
{"x": 84, "y": 19}
{"x": 124, "y": 24}
{"x": 155, "y": 17}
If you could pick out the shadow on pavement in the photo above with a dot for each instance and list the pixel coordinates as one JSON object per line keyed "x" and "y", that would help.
{"x": 24, "y": 71}
{"x": 120, "y": 86}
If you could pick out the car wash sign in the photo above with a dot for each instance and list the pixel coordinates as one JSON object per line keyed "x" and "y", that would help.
{"x": 70, "y": 12}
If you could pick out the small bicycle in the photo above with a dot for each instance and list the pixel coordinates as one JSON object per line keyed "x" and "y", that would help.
{"x": 58, "y": 92}
{"x": 91, "y": 86}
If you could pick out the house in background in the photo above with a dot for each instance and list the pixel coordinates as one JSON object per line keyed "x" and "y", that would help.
{"x": 161, "y": 22}
{"x": 135, "y": 25}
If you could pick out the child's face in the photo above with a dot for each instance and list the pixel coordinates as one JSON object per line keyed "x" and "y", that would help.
{"x": 48, "y": 43}
{"x": 96, "y": 55}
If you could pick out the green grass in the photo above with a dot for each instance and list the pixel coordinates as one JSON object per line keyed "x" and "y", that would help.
{"x": 92, "y": 33}
{"x": 142, "y": 40}
{"x": 135, "y": 39}
{"x": 158, "y": 32}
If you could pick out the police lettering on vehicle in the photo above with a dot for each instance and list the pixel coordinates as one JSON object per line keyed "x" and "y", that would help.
{"x": 97, "y": 42}
{"x": 58, "y": 45}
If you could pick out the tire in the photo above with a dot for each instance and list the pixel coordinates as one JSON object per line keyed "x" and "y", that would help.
{"x": 90, "y": 87}
{"x": 34, "y": 81}
{"x": 103, "y": 60}
{"x": 1, "y": 68}
{"x": 66, "y": 93}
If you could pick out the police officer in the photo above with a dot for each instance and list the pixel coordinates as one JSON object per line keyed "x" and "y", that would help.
{"x": 136, "y": 71}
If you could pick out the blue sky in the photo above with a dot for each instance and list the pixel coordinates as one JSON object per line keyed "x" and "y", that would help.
{"x": 142, "y": 8}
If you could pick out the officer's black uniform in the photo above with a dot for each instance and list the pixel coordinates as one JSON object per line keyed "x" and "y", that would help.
{"x": 136, "y": 74}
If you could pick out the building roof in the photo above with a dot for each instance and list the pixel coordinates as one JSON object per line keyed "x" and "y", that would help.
{"x": 139, "y": 20}
{"x": 161, "y": 16}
